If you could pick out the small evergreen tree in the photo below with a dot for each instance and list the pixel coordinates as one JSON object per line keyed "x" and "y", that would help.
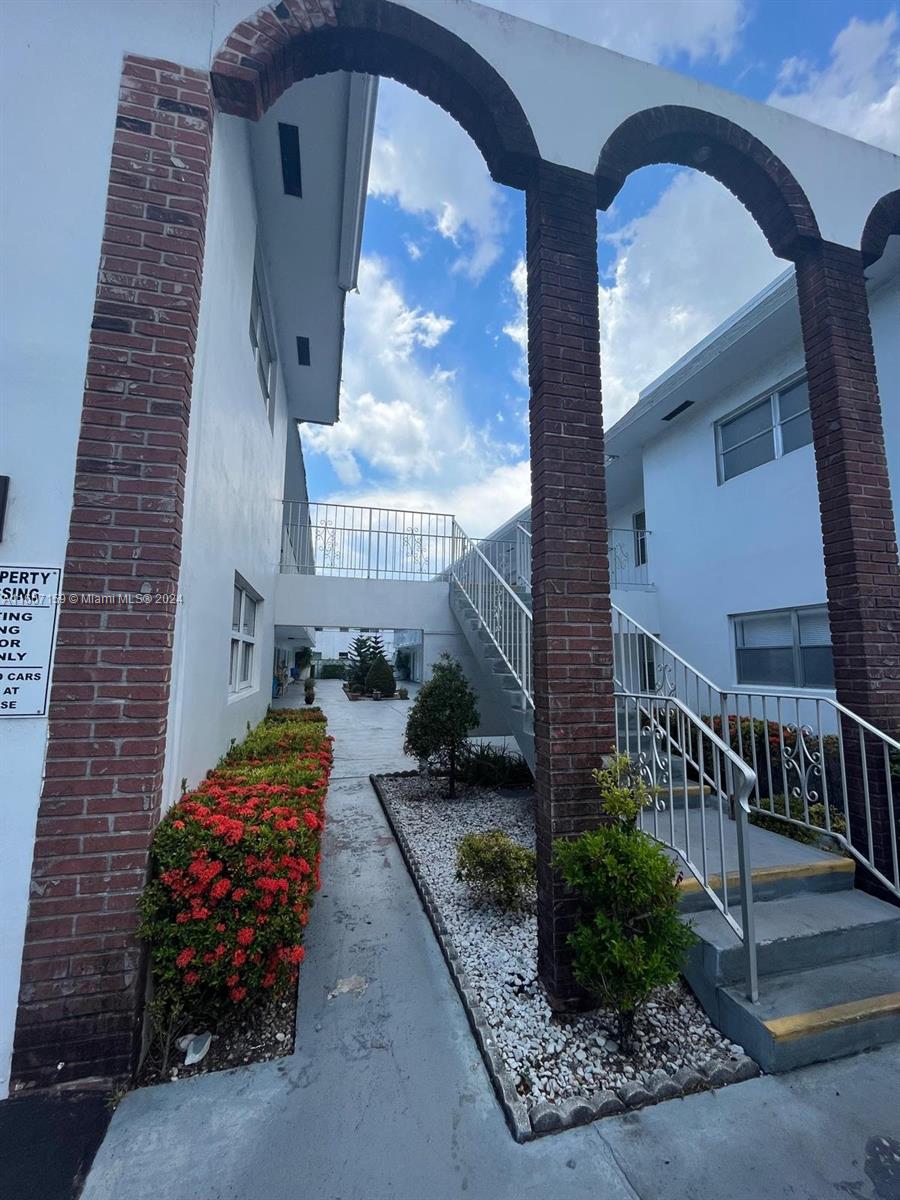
{"x": 381, "y": 678}
{"x": 364, "y": 650}
{"x": 630, "y": 939}
{"x": 441, "y": 717}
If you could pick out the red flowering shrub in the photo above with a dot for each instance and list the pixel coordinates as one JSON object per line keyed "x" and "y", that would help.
{"x": 235, "y": 865}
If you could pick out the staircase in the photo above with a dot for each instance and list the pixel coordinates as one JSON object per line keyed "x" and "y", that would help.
{"x": 500, "y": 676}
{"x": 828, "y": 957}
{"x": 764, "y": 907}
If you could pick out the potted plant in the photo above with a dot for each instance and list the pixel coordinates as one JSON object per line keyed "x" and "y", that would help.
{"x": 309, "y": 691}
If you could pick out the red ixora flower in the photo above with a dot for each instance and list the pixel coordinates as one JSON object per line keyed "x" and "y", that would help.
{"x": 237, "y": 994}
{"x": 191, "y": 977}
{"x": 188, "y": 954}
{"x": 245, "y": 936}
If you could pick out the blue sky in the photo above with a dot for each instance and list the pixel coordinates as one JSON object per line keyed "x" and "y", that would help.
{"x": 434, "y": 398}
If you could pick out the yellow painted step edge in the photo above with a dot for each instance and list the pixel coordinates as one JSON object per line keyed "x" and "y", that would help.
{"x": 786, "y": 1029}
{"x": 838, "y": 864}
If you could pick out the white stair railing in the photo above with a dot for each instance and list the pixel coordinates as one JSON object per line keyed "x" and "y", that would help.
{"x": 810, "y": 755}
{"x": 700, "y": 785}
{"x": 502, "y": 614}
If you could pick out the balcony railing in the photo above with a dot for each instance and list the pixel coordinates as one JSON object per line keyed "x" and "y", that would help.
{"x": 353, "y": 542}
{"x": 628, "y": 558}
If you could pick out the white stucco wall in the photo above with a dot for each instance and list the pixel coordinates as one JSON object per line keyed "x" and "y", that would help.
{"x": 236, "y": 468}
{"x": 56, "y": 139}
{"x": 753, "y": 543}
{"x": 391, "y": 604}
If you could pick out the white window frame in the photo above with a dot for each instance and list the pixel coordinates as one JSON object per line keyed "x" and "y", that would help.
{"x": 262, "y": 338}
{"x": 639, "y": 531}
{"x": 243, "y": 667}
{"x": 772, "y": 398}
{"x": 796, "y": 646}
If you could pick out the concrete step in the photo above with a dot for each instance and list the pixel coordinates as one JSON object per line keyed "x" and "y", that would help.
{"x": 811, "y": 929}
{"x": 829, "y": 873}
{"x": 809, "y": 1016}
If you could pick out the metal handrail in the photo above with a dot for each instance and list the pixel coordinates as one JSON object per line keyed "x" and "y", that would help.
{"x": 664, "y": 750}
{"x": 504, "y": 616}
{"x": 807, "y": 751}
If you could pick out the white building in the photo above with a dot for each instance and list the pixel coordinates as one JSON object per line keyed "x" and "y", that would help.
{"x": 213, "y": 160}
{"x": 715, "y": 532}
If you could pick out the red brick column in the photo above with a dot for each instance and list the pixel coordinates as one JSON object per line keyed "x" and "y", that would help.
{"x": 81, "y": 974}
{"x": 858, "y": 533}
{"x": 574, "y": 718}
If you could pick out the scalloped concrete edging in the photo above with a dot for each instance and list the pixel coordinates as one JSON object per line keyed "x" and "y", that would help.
{"x": 544, "y": 1117}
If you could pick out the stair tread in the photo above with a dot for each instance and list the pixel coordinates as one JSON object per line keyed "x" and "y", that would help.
{"x": 826, "y": 995}
{"x": 833, "y": 865}
{"x": 803, "y": 915}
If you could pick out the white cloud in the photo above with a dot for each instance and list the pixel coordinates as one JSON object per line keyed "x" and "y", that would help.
{"x": 431, "y": 167}
{"x": 403, "y": 420}
{"x": 654, "y": 30}
{"x": 506, "y": 486}
{"x": 517, "y": 328}
{"x": 427, "y": 163}
{"x": 682, "y": 268}
{"x": 413, "y": 249}
{"x": 858, "y": 92}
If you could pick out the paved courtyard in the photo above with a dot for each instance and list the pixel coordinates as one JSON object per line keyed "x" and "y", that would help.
{"x": 386, "y": 1098}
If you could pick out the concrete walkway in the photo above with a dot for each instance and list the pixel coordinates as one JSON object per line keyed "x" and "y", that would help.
{"x": 386, "y": 1098}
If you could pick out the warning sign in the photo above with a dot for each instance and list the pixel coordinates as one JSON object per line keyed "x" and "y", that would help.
{"x": 29, "y": 601}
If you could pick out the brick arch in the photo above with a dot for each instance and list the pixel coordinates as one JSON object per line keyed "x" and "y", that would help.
{"x": 691, "y": 137}
{"x": 297, "y": 39}
{"x": 882, "y": 223}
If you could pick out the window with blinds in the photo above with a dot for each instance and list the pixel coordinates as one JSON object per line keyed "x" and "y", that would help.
{"x": 786, "y": 647}
{"x": 764, "y": 430}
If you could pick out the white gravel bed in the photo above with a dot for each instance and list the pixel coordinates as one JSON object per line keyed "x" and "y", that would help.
{"x": 551, "y": 1057}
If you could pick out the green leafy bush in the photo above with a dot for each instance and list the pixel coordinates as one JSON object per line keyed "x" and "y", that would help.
{"x": 629, "y": 939}
{"x": 496, "y": 868}
{"x": 809, "y": 837}
{"x": 381, "y": 678}
{"x": 332, "y": 670}
{"x": 441, "y": 716}
{"x": 481, "y": 763}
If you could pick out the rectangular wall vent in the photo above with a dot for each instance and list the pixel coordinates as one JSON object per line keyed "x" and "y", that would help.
{"x": 289, "y": 140}
{"x": 677, "y": 411}
{"x": 303, "y": 351}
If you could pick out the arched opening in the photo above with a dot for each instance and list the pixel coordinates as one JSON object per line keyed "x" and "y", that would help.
{"x": 714, "y": 145}
{"x": 883, "y": 222}
{"x": 140, "y": 371}
{"x": 277, "y": 47}
{"x": 833, "y": 362}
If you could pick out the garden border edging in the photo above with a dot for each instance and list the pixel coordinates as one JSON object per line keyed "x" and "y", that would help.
{"x": 544, "y": 1117}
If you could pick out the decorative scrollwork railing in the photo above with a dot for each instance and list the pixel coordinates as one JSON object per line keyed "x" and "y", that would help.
{"x": 817, "y": 765}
